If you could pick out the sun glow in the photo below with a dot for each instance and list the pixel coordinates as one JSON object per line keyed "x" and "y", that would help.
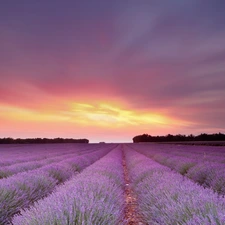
{"x": 99, "y": 117}
{"x": 105, "y": 114}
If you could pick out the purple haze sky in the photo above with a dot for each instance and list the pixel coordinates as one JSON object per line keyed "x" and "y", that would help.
{"x": 142, "y": 57}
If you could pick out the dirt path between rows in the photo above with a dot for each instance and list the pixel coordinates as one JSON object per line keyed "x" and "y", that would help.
{"x": 131, "y": 213}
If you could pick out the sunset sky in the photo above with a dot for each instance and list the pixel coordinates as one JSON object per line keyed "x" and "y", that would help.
{"x": 110, "y": 70}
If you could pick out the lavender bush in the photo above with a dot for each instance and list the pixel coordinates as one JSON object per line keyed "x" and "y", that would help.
{"x": 94, "y": 197}
{"x": 6, "y": 171}
{"x": 21, "y": 190}
{"x": 13, "y": 154}
{"x": 202, "y": 164}
{"x": 166, "y": 197}
{"x": 26, "y": 153}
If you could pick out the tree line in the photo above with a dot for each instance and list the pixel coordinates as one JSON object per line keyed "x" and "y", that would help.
{"x": 41, "y": 140}
{"x": 179, "y": 138}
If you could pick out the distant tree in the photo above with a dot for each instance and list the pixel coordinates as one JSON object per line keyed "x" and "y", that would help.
{"x": 179, "y": 138}
{"x": 41, "y": 140}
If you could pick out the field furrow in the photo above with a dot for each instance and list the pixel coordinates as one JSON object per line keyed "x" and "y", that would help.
{"x": 132, "y": 215}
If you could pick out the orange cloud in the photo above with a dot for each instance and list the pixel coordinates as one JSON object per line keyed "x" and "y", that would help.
{"x": 98, "y": 120}
{"x": 105, "y": 114}
{"x": 98, "y": 114}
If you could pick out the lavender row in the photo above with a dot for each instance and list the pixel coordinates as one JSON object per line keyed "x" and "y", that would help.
{"x": 6, "y": 171}
{"x": 165, "y": 197}
{"x": 23, "y": 189}
{"x": 206, "y": 173}
{"x": 31, "y": 152}
{"x": 25, "y": 153}
{"x": 94, "y": 197}
{"x": 206, "y": 153}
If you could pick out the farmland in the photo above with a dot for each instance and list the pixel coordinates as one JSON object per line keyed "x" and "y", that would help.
{"x": 112, "y": 184}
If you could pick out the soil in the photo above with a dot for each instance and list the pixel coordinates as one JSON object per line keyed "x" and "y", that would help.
{"x": 132, "y": 216}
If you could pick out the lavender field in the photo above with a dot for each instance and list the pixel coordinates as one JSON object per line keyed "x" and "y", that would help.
{"x": 112, "y": 184}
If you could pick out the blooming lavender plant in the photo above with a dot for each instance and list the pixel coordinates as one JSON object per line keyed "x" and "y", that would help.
{"x": 13, "y": 154}
{"x": 6, "y": 171}
{"x": 21, "y": 190}
{"x": 166, "y": 197}
{"x": 94, "y": 197}
{"x": 202, "y": 164}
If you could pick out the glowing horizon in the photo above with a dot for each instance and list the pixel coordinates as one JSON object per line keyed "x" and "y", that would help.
{"x": 97, "y": 116}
